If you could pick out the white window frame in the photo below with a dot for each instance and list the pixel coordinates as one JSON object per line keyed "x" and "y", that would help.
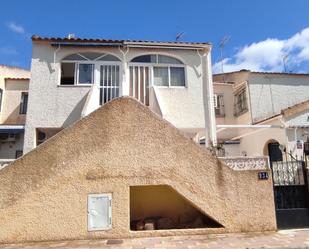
{"x": 109, "y": 196}
{"x": 218, "y": 105}
{"x": 76, "y": 78}
{"x": 152, "y": 65}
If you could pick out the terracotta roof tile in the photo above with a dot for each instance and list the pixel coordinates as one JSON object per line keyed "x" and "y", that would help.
{"x": 272, "y": 73}
{"x": 16, "y": 67}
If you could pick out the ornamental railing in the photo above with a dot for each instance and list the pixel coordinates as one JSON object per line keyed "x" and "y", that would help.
{"x": 246, "y": 163}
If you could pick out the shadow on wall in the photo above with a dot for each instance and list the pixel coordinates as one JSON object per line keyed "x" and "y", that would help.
{"x": 15, "y": 117}
{"x": 76, "y": 113}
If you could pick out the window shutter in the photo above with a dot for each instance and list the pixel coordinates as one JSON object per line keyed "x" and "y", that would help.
{"x": 99, "y": 212}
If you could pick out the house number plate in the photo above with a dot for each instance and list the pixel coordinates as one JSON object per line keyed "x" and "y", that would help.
{"x": 263, "y": 175}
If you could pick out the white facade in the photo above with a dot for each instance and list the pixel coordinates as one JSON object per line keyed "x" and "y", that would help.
{"x": 271, "y": 93}
{"x": 52, "y": 105}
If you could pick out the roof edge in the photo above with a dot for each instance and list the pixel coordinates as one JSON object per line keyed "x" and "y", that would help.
{"x": 195, "y": 45}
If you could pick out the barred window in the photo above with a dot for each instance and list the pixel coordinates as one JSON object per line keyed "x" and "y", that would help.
{"x": 240, "y": 102}
{"x": 219, "y": 105}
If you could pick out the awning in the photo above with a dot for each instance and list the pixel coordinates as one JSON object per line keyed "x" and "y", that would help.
{"x": 12, "y": 129}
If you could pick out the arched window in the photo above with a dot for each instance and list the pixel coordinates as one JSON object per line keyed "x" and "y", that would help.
{"x": 78, "y": 69}
{"x": 166, "y": 71}
{"x": 156, "y": 59}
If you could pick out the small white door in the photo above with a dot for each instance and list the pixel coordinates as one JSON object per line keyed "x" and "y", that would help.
{"x": 99, "y": 212}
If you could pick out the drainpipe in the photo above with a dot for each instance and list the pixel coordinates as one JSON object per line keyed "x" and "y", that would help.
{"x": 210, "y": 120}
{"x": 55, "y": 53}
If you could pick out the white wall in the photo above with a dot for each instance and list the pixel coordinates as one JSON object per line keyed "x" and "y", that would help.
{"x": 51, "y": 105}
{"x": 270, "y": 93}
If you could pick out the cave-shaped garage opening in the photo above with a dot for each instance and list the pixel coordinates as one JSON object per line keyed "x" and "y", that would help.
{"x": 160, "y": 207}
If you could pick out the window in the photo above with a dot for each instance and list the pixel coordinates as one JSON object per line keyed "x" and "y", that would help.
{"x": 85, "y": 73}
{"x": 177, "y": 76}
{"x": 99, "y": 212}
{"x": 67, "y": 74}
{"x": 160, "y": 76}
{"x": 240, "y": 102}
{"x": 167, "y": 71}
{"x": 219, "y": 105}
{"x": 78, "y": 69}
{"x": 1, "y": 94}
{"x": 23, "y": 103}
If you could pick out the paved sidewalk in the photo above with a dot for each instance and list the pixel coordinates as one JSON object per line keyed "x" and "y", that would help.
{"x": 292, "y": 239}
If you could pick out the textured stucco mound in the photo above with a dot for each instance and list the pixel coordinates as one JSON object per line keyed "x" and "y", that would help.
{"x": 43, "y": 195}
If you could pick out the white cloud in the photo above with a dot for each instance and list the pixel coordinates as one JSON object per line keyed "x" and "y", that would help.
{"x": 15, "y": 27}
{"x": 268, "y": 55}
{"x": 8, "y": 50}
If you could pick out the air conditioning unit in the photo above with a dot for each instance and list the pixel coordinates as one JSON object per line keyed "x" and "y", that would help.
{"x": 9, "y": 137}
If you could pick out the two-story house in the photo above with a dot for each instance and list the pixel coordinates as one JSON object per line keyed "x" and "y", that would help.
{"x": 71, "y": 77}
{"x": 253, "y": 111}
{"x": 14, "y": 84}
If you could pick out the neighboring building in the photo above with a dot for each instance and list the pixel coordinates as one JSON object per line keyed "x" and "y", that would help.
{"x": 71, "y": 77}
{"x": 14, "y": 83}
{"x": 251, "y": 110}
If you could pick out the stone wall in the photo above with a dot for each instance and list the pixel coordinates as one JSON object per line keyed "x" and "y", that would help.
{"x": 43, "y": 195}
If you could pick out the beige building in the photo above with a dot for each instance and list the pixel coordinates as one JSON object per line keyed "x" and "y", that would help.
{"x": 14, "y": 84}
{"x": 250, "y": 107}
{"x": 128, "y": 175}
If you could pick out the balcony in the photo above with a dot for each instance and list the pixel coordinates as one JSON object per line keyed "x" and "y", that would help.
{"x": 246, "y": 163}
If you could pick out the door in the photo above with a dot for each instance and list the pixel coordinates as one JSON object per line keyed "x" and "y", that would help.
{"x": 139, "y": 83}
{"x": 99, "y": 212}
{"x": 109, "y": 83}
{"x": 275, "y": 154}
{"x": 290, "y": 190}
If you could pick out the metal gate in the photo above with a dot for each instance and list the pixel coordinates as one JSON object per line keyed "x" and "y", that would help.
{"x": 109, "y": 83}
{"x": 290, "y": 192}
{"x": 140, "y": 83}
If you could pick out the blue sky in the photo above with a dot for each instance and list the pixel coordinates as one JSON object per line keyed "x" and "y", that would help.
{"x": 262, "y": 33}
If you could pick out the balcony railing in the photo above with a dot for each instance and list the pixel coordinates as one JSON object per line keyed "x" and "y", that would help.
{"x": 5, "y": 162}
{"x": 246, "y": 163}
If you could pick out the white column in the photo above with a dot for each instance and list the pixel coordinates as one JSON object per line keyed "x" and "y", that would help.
{"x": 125, "y": 74}
{"x": 210, "y": 118}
